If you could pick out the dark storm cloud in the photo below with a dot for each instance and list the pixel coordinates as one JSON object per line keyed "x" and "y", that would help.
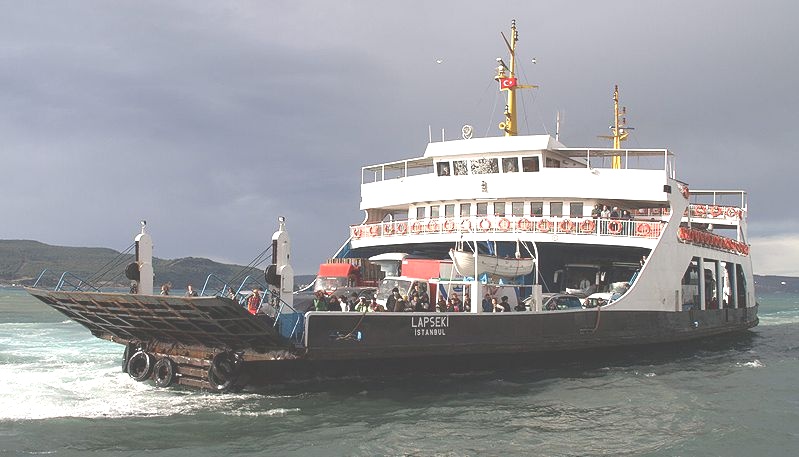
{"x": 210, "y": 119}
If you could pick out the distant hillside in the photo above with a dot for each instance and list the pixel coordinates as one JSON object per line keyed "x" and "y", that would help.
{"x": 21, "y": 262}
{"x": 776, "y": 284}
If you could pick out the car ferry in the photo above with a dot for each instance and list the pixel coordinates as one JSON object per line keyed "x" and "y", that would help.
{"x": 670, "y": 264}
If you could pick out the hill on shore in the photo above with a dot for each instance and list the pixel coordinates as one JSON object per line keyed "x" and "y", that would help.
{"x": 21, "y": 262}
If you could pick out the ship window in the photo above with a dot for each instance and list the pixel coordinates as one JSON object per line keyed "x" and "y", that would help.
{"x": 482, "y": 209}
{"x": 510, "y": 165}
{"x": 499, "y": 209}
{"x": 740, "y": 286}
{"x": 517, "y": 209}
{"x": 530, "y": 164}
{"x": 536, "y": 209}
{"x": 690, "y": 286}
{"x": 711, "y": 292}
{"x": 459, "y": 167}
{"x": 484, "y": 166}
{"x": 466, "y": 209}
{"x": 443, "y": 169}
{"x": 420, "y": 212}
{"x": 576, "y": 209}
{"x": 434, "y": 211}
{"x": 556, "y": 209}
{"x": 449, "y": 210}
{"x": 552, "y": 163}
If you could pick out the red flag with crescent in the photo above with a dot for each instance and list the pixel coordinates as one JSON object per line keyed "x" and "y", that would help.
{"x": 507, "y": 83}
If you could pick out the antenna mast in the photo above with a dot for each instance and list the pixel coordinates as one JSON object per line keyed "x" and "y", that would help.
{"x": 619, "y": 127}
{"x": 506, "y": 75}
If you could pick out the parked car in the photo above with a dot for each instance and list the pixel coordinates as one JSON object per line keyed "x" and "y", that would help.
{"x": 554, "y": 302}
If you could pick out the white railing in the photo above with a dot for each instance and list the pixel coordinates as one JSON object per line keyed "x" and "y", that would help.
{"x": 510, "y": 224}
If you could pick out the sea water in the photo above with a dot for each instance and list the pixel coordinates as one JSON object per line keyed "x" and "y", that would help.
{"x": 62, "y": 392}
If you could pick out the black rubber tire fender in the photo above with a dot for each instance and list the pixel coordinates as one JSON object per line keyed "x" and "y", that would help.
{"x": 224, "y": 371}
{"x": 164, "y": 372}
{"x": 140, "y": 366}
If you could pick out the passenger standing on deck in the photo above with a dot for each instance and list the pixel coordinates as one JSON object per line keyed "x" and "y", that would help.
{"x": 504, "y": 304}
{"x": 342, "y": 303}
{"x": 391, "y": 301}
{"x": 605, "y": 213}
{"x": 362, "y": 306}
{"x": 441, "y": 304}
{"x": 376, "y": 307}
{"x": 487, "y": 306}
{"x": 496, "y": 306}
{"x": 190, "y": 292}
{"x": 424, "y": 299}
{"x": 467, "y": 303}
{"x": 254, "y": 301}
{"x": 456, "y": 301}
{"x": 165, "y": 289}
{"x": 319, "y": 301}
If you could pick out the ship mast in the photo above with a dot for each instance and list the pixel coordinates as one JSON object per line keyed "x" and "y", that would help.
{"x": 619, "y": 127}
{"x": 506, "y": 76}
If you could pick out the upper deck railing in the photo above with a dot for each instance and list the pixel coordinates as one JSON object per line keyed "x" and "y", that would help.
{"x": 591, "y": 158}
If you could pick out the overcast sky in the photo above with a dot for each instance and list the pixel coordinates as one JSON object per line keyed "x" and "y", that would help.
{"x": 210, "y": 119}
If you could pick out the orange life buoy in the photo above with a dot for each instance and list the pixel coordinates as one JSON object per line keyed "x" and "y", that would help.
{"x": 699, "y": 210}
{"x": 731, "y": 213}
{"x": 566, "y": 226}
{"x": 432, "y": 226}
{"x": 524, "y": 225}
{"x": 485, "y": 224}
{"x": 449, "y": 225}
{"x": 388, "y": 228}
{"x": 504, "y": 224}
{"x": 715, "y": 211}
{"x": 374, "y": 230}
{"x": 416, "y": 227}
{"x": 587, "y": 226}
{"x": 614, "y": 227}
{"x": 544, "y": 225}
{"x": 401, "y": 228}
{"x": 643, "y": 229}
{"x": 466, "y": 225}
{"x": 357, "y": 232}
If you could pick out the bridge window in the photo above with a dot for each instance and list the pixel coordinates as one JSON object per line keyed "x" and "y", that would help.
{"x": 443, "y": 169}
{"x": 555, "y": 209}
{"x": 499, "y": 209}
{"x": 482, "y": 209}
{"x": 459, "y": 167}
{"x": 536, "y": 209}
{"x": 420, "y": 212}
{"x": 434, "y": 211}
{"x": 510, "y": 165}
{"x": 530, "y": 164}
{"x": 466, "y": 209}
{"x": 449, "y": 210}
{"x": 552, "y": 163}
{"x": 576, "y": 209}
{"x": 484, "y": 166}
{"x": 517, "y": 209}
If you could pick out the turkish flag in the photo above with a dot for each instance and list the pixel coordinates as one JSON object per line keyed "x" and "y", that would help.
{"x": 507, "y": 83}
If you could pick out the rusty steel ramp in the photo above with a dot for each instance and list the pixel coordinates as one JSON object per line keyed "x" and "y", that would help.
{"x": 213, "y": 322}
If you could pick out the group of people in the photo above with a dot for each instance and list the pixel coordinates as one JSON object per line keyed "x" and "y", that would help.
{"x": 353, "y": 302}
{"x": 491, "y": 305}
{"x": 605, "y": 212}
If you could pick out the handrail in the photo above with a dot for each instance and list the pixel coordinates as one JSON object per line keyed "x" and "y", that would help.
{"x": 221, "y": 291}
{"x": 75, "y": 287}
{"x": 39, "y": 278}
